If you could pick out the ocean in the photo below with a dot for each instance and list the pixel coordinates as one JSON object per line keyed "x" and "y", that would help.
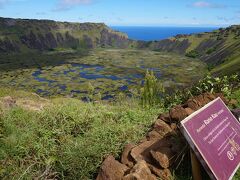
{"x": 159, "y": 33}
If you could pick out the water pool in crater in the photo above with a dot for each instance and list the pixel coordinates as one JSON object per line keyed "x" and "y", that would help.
{"x": 104, "y": 71}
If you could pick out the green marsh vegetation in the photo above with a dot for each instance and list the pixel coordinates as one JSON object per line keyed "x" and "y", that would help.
{"x": 109, "y": 71}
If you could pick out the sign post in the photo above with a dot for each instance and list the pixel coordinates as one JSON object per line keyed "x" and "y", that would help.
{"x": 196, "y": 167}
{"x": 214, "y": 135}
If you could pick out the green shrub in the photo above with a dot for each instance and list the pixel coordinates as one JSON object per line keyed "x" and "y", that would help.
{"x": 211, "y": 50}
{"x": 193, "y": 54}
{"x": 226, "y": 85}
{"x": 152, "y": 90}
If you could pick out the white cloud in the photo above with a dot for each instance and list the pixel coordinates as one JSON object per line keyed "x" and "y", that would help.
{"x": 75, "y": 2}
{"x": 201, "y": 4}
{"x": 204, "y": 4}
{"x": 68, "y": 4}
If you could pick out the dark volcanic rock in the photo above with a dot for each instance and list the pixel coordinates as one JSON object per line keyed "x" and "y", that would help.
{"x": 18, "y": 34}
{"x": 236, "y": 113}
{"x": 60, "y": 38}
{"x": 6, "y": 45}
{"x": 111, "y": 39}
{"x": 171, "y": 46}
{"x": 88, "y": 42}
{"x": 209, "y": 43}
{"x": 70, "y": 41}
{"x": 221, "y": 54}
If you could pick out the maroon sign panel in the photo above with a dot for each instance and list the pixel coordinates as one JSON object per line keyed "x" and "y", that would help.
{"x": 214, "y": 134}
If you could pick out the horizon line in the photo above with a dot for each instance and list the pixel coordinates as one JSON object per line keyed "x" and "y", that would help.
{"x": 130, "y": 25}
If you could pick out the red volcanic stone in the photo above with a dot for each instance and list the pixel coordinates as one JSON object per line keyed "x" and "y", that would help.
{"x": 189, "y": 111}
{"x": 163, "y": 174}
{"x": 152, "y": 135}
{"x": 165, "y": 117}
{"x": 178, "y": 113}
{"x": 161, "y": 158}
{"x": 174, "y": 126}
{"x": 140, "y": 172}
{"x": 126, "y": 158}
{"x": 197, "y": 102}
{"x": 111, "y": 169}
{"x": 161, "y": 127}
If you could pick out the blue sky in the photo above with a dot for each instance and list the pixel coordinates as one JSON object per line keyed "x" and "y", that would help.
{"x": 128, "y": 12}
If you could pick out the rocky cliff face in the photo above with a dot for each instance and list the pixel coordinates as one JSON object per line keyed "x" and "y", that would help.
{"x": 213, "y": 48}
{"x": 21, "y": 34}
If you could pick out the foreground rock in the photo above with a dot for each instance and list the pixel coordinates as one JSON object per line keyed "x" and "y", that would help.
{"x": 162, "y": 149}
{"x": 111, "y": 169}
{"x": 178, "y": 113}
{"x": 140, "y": 171}
{"x": 161, "y": 158}
{"x": 126, "y": 158}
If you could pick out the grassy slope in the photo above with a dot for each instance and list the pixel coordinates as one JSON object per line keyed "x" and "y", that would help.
{"x": 68, "y": 138}
{"x": 231, "y": 64}
{"x": 229, "y": 67}
{"x": 231, "y": 40}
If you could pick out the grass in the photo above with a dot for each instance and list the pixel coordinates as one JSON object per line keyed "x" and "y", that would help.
{"x": 229, "y": 67}
{"x": 195, "y": 41}
{"x": 69, "y": 138}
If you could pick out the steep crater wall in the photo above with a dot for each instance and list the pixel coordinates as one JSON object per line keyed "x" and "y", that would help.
{"x": 17, "y": 35}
